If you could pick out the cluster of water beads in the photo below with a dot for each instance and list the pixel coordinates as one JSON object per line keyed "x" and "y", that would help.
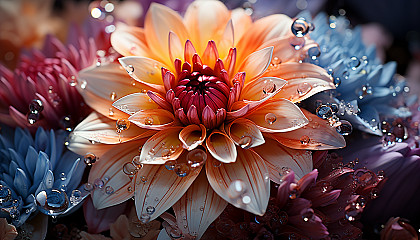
{"x": 394, "y": 131}
{"x": 328, "y": 112}
{"x": 8, "y": 204}
{"x": 194, "y": 159}
{"x": 35, "y": 108}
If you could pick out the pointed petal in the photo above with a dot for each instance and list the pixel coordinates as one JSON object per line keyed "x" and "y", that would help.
{"x": 130, "y": 41}
{"x": 192, "y": 136}
{"x": 279, "y": 115}
{"x": 160, "y": 20}
{"x": 227, "y": 40}
{"x": 160, "y": 100}
{"x": 160, "y": 188}
{"x": 241, "y": 22}
{"x": 102, "y": 85}
{"x": 317, "y": 135}
{"x": 206, "y": 21}
{"x": 256, "y": 63}
{"x": 230, "y": 62}
{"x": 135, "y": 102}
{"x": 210, "y": 55}
{"x": 209, "y": 117}
{"x": 189, "y": 51}
{"x": 244, "y": 133}
{"x": 103, "y": 130}
{"x": 261, "y": 87}
{"x": 221, "y": 147}
{"x": 110, "y": 166}
{"x": 303, "y": 80}
{"x": 82, "y": 146}
{"x": 154, "y": 119}
{"x": 175, "y": 47}
{"x": 161, "y": 147}
{"x": 198, "y": 208}
{"x": 251, "y": 170}
{"x": 279, "y": 158}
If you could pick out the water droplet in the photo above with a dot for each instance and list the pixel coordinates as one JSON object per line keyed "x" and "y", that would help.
{"x": 269, "y": 87}
{"x": 337, "y": 81}
{"x": 144, "y": 218}
{"x": 324, "y": 112}
{"x": 113, "y": 96}
{"x": 129, "y": 69}
{"x": 109, "y": 190}
{"x": 98, "y": 183}
{"x": 388, "y": 140}
{"x": 308, "y": 215}
{"x": 52, "y": 201}
{"x": 236, "y": 189}
{"x": 305, "y": 140}
{"x": 129, "y": 168}
{"x": 275, "y": 61}
{"x": 5, "y": 194}
{"x": 148, "y": 121}
{"x": 314, "y": 52}
{"x": 175, "y": 233}
{"x": 364, "y": 177}
{"x": 297, "y": 43}
{"x": 345, "y": 128}
{"x": 143, "y": 179}
{"x": 75, "y": 196}
{"x": 88, "y": 187}
{"x": 129, "y": 189}
{"x": 196, "y": 157}
{"x": 122, "y": 124}
{"x": 303, "y": 88}
{"x": 83, "y": 84}
{"x": 89, "y": 158}
{"x": 300, "y": 27}
{"x": 32, "y": 117}
{"x": 246, "y": 199}
{"x": 245, "y": 142}
{"x": 400, "y": 131}
{"x": 36, "y": 106}
{"x": 353, "y": 63}
{"x": 270, "y": 118}
{"x": 14, "y": 213}
{"x": 150, "y": 210}
{"x": 284, "y": 171}
{"x": 182, "y": 169}
{"x": 170, "y": 165}
{"x": 351, "y": 213}
{"x": 345, "y": 75}
{"x": 136, "y": 161}
{"x": 374, "y": 193}
{"x": 364, "y": 91}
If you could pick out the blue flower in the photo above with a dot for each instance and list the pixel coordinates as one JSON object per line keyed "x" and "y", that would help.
{"x": 36, "y": 174}
{"x": 366, "y": 89}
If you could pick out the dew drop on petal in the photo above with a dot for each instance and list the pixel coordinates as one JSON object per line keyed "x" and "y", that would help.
{"x": 88, "y": 187}
{"x": 136, "y": 161}
{"x": 308, "y": 215}
{"x": 196, "y": 157}
{"x": 270, "y": 118}
{"x": 144, "y": 218}
{"x": 129, "y": 69}
{"x": 345, "y": 128}
{"x": 314, "y": 52}
{"x": 98, "y": 183}
{"x": 245, "y": 142}
{"x": 83, "y": 84}
{"x": 150, "y": 210}
{"x": 353, "y": 63}
{"x": 148, "y": 121}
{"x": 337, "y": 81}
{"x": 36, "y": 106}
{"x": 388, "y": 140}
{"x": 33, "y": 117}
{"x": 170, "y": 165}
{"x": 236, "y": 189}
{"x": 181, "y": 169}
{"x": 269, "y": 87}
{"x": 89, "y": 159}
{"x": 113, "y": 96}
{"x": 304, "y": 140}
{"x": 52, "y": 201}
{"x": 129, "y": 169}
{"x": 297, "y": 43}
{"x": 300, "y": 27}
{"x": 324, "y": 112}
{"x": 303, "y": 88}
{"x": 122, "y": 124}
{"x": 109, "y": 190}
{"x": 75, "y": 197}
{"x": 246, "y": 199}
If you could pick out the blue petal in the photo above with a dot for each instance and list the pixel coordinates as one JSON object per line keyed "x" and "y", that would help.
{"x": 52, "y": 151}
{"x": 21, "y": 183}
{"x": 42, "y": 166}
{"x": 30, "y": 161}
{"x": 8, "y": 180}
{"x": 14, "y": 157}
{"x": 41, "y": 140}
{"x": 12, "y": 168}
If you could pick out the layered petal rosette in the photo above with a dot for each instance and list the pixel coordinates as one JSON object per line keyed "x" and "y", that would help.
{"x": 208, "y": 99}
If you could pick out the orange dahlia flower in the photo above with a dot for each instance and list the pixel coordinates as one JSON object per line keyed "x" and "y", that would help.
{"x": 205, "y": 116}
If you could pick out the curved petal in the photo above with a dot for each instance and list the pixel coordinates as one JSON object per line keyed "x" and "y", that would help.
{"x": 160, "y": 20}
{"x": 221, "y": 147}
{"x": 135, "y": 102}
{"x": 227, "y": 40}
{"x": 256, "y": 63}
{"x": 129, "y": 41}
{"x": 101, "y": 129}
{"x": 109, "y": 169}
{"x": 261, "y": 87}
{"x": 206, "y": 21}
{"x": 279, "y": 115}
{"x": 303, "y": 80}
{"x": 244, "y": 133}
{"x": 176, "y": 49}
{"x": 198, "y": 208}
{"x": 317, "y": 135}
{"x": 155, "y": 119}
{"x": 144, "y": 70}
{"x": 250, "y": 169}
{"x": 279, "y": 159}
{"x": 241, "y": 22}
{"x": 102, "y": 85}
{"x": 82, "y": 146}
{"x": 158, "y": 188}
{"x": 161, "y": 147}
{"x": 192, "y": 136}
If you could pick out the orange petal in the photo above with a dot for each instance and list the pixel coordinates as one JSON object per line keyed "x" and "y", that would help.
{"x": 210, "y": 55}
{"x": 198, "y": 208}
{"x": 160, "y": 20}
{"x": 109, "y": 169}
{"x": 100, "y": 86}
{"x": 279, "y": 159}
{"x": 303, "y": 80}
{"x": 206, "y": 21}
{"x": 144, "y": 70}
{"x": 176, "y": 49}
{"x": 256, "y": 63}
{"x": 278, "y": 115}
{"x": 250, "y": 170}
{"x": 227, "y": 40}
{"x": 135, "y": 102}
{"x": 245, "y": 133}
{"x": 262, "y": 31}
{"x": 82, "y": 146}
{"x": 161, "y": 147}
{"x": 159, "y": 189}
{"x": 130, "y": 41}
{"x": 316, "y": 135}
{"x": 221, "y": 147}
{"x": 101, "y": 129}
{"x": 241, "y": 22}
{"x": 155, "y": 119}
{"x": 192, "y": 136}
{"x": 261, "y": 87}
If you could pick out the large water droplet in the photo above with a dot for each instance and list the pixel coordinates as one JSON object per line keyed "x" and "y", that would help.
{"x": 33, "y": 117}
{"x": 75, "y": 197}
{"x": 181, "y": 169}
{"x": 364, "y": 177}
{"x": 129, "y": 69}
{"x": 300, "y": 27}
{"x": 5, "y": 194}
{"x": 52, "y": 201}
{"x": 196, "y": 158}
{"x": 269, "y": 87}
{"x": 345, "y": 128}
{"x": 98, "y": 183}
{"x": 122, "y": 124}
{"x": 245, "y": 142}
{"x": 109, "y": 190}
{"x": 246, "y": 199}
{"x": 83, "y": 84}
{"x": 337, "y": 81}
{"x": 150, "y": 210}
{"x": 236, "y": 189}
{"x": 353, "y": 63}
{"x": 270, "y": 118}
{"x": 324, "y": 112}
{"x": 308, "y": 215}
{"x": 388, "y": 140}
{"x": 89, "y": 158}
{"x": 136, "y": 161}
{"x": 314, "y": 52}
{"x": 170, "y": 165}
{"x": 129, "y": 168}
{"x": 88, "y": 187}
{"x": 36, "y": 106}
{"x": 305, "y": 140}
{"x": 303, "y": 88}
